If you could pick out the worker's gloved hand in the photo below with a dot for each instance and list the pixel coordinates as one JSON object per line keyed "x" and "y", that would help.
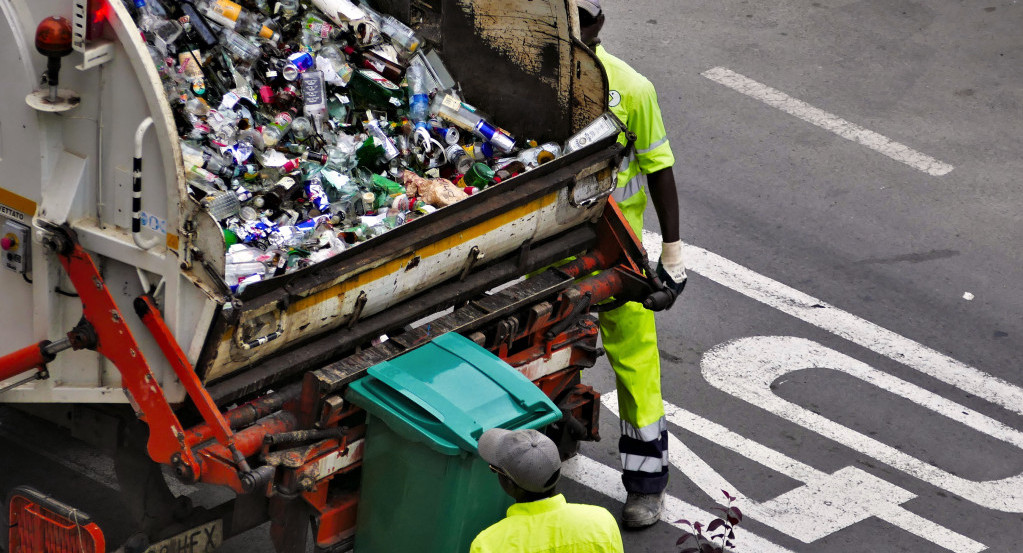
{"x": 671, "y": 269}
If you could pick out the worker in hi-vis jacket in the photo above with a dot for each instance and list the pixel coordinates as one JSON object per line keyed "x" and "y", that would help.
{"x": 628, "y": 332}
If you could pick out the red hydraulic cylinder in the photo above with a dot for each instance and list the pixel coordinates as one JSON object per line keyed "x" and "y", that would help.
{"x": 24, "y": 360}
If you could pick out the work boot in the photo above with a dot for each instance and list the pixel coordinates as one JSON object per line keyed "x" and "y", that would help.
{"x": 642, "y": 509}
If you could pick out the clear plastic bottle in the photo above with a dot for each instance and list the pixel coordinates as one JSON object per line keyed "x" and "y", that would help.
{"x": 419, "y": 102}
{"x": 222, "y": 205}
{"x": 162, "y": 31}
{"x": 319, "y": 29}
{"x": 400, "y": 34}
{"x": 372, "y": 127}
{"x": 197, "y": 107}
{"x": 207, "y": 159}
{"x": 233, "y": 17}
{"x": 204, "y": 180}
{"x": 239, "y": 47}
{"x": 288, "y": 8}
{"x": 302, "y": 128}
{"x": 329, "y": 246}
{"x": 275, "y": 131}
{"x": 224, "y": 125}
{"x": 334, "y": 65}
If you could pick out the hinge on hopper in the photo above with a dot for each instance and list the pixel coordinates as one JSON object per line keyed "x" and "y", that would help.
{"x": 470, "y": 261}
{"x": 360, "y": 303}
{"x": 525, "y": 255}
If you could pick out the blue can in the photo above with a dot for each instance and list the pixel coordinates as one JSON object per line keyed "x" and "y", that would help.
{"x": 309, "y": 225}
{"x": 314, "y": 191}
{"x": 494, "y": 135}
{"x": 249, "y": 232}
{"x": 302, "y": 61}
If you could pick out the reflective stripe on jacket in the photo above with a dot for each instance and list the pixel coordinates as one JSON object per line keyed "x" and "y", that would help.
{"x": 632, "y": 99}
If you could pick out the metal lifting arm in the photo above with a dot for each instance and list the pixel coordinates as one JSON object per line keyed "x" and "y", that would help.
{"x": 150, "y": 315}
{"x": 112, "y": 338}
{"x": 104, "y": 330}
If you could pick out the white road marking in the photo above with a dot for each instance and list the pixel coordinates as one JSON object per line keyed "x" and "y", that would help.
{"x": 825, "y": 504}
{"x": 745, "y": 369}
{"x": 608, "y": 481}
{"x": 798, "y": 471}
{"x": 828, "y": 121}
{"x": 845, "y": 325}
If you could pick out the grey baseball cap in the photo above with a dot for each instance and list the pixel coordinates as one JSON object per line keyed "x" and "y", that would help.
{"x": 528, "y": 457}
{"x": 592, "y": 7}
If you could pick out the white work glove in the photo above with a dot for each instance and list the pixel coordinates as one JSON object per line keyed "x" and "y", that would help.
{"x": 671, "y": 269}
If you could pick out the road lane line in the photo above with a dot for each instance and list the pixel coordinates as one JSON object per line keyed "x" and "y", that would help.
{"x": 828, "y": 121}
{"x": 608, "y": 481}
{"x": 845, "y": 325}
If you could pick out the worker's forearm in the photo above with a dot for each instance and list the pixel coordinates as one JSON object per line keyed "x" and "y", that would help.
{"x": 665, "y": 199}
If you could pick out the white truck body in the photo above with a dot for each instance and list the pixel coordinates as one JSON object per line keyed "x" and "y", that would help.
{"x": 75, "y": 167}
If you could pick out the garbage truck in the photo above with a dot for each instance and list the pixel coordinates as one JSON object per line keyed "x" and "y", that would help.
{"x": 121, "y": 320}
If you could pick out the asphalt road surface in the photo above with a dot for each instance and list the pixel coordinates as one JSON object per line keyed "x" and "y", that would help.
{"x": 845, "y": 358}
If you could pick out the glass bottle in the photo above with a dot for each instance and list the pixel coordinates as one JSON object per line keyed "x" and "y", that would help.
{"x": 233, "y": 17}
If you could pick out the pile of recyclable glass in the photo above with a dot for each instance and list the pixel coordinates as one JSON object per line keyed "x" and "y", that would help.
{"x": 308, "y": 127}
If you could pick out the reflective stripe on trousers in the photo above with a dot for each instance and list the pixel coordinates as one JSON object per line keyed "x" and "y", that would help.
{"x": 644, "y": 454}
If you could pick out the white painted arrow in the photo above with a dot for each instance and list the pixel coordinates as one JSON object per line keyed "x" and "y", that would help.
{"x": 746, "y": 368}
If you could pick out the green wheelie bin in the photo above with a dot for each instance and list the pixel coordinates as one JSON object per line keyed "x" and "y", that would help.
{"x": 424, "y": 488}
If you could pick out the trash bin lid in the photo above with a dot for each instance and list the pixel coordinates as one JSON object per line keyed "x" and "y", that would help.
{"x": 446, "y": 392}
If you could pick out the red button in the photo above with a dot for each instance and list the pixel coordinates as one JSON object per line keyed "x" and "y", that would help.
{"x": 7, "y": 243}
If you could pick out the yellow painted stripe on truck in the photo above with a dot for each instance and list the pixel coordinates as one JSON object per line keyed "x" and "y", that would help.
{"x": 356, "y": 281}
{"x": 17, "y": 202}
{"x": 430, "y": 250}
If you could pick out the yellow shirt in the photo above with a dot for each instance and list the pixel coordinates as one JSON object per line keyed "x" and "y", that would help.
{"x": 551, "y": 525}
{"x": 632, "y": 99}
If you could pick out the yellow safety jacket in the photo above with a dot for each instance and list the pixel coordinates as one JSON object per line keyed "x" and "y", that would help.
{"x": 632, "y": 99}
{"x": 551, "y": 525}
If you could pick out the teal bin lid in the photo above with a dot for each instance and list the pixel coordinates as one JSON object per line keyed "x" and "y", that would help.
{"x": 446, "y": 392}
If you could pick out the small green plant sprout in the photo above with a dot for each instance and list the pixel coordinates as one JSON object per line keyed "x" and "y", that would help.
{"x": 715, "y": 537}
